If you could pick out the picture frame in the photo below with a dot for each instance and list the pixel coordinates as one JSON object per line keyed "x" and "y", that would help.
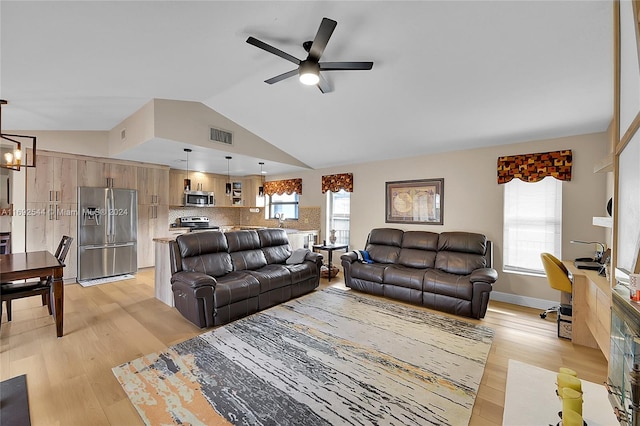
{"x": 415, "y": 201}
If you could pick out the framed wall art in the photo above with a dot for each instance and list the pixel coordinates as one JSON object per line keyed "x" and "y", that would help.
{"x": 415, "y": 201}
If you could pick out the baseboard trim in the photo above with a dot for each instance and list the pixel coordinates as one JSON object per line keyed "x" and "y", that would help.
{"x": 529, "y": 302}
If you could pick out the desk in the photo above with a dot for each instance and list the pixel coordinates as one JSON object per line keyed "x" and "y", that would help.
{"x": 591, "y": 319}
{"x": 36, "y": 264}
{"x": 329, "y": 248}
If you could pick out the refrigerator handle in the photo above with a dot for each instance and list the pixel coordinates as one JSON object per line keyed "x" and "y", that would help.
{"x": 109, "y": 206}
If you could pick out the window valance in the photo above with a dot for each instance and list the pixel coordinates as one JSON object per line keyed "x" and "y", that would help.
{"x": 535, "y": 167}
{"x": 335, "y": 183}
{"x": 288, "y": 186}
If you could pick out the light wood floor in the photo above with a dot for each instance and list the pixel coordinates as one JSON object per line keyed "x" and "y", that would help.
{"x": 70, "y": 381}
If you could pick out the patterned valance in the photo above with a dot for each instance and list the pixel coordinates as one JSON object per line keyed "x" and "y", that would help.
{"x": 335, "y": 183}
{"x": 280, "y": 187}
{"x": 535, "y": 167}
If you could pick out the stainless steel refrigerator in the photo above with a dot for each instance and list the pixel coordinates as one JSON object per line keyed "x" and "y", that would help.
{"x": 107, "y": 232}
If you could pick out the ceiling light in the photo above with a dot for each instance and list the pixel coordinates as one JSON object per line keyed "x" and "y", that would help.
{"x": 309, "y": 73}
{"x": 261, "y": 187}
{"x": 187, "y": 181}
{"x": 228, "y": 185}
{"x": 16, "y": 150}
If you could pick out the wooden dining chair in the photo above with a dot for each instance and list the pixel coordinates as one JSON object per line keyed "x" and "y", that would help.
{"x": 42, "y": 287}
{"x": 5, "y": 242}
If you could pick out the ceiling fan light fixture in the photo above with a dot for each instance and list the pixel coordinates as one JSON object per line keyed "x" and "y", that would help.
{"x": 309, "y": 73}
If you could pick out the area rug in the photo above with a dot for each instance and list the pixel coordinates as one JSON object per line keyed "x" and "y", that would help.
{"x": 530, "y": 398}
{"x": 327, "y": 358}
{"x": 97, "y": 281}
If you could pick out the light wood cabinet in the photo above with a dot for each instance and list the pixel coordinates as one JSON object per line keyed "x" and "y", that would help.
{"x": 251, "y": 184}
{"x": 153, "y": 211}
{"x": 153, "y": 185}
{"x": 152, "y": 223}
{"x": 52, "y": 209}
{"x": 219, "y": 188}
{"x": 54, "y": 180}
{"x": 591, "y": 319}
{"x": 176, "y": 187}
{"x": 46, "y": 223}
{"x": 101, "y": 174}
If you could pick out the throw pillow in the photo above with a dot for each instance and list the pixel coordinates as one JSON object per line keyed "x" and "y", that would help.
{"x": 297, "y": 256}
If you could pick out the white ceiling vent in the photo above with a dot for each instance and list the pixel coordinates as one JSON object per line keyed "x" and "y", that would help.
{"x": 222, "y": 136}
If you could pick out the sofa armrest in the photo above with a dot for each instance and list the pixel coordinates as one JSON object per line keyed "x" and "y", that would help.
{"x": 193, "y": 279}
{"x": 485, "y": 275}
{"x": 349, "y": 257}
{"x": 314, "y": 257}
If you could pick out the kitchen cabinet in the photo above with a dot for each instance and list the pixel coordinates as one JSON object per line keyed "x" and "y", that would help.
{"x": 219, "y": 188}
{"x": 51, "y": 208}
{"x": 101, "y": 174}
{"x": 251, "y": 185}
{"x": 54, "y": 180}
{"x": 201, "y": 181}
{"x": 176, "y": 187}
{"x": 153, "y": 211}
{"x": 153, "y": 185}
{"x": 46, "y": 223}
{"x": 236, "y": 194}
{"x": 153, "y": 222}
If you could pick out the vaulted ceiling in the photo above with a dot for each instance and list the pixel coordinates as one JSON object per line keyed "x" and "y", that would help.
{"x": 447, "y": 75}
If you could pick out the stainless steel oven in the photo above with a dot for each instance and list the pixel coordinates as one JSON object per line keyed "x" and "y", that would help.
{"x": 199, "y": 199}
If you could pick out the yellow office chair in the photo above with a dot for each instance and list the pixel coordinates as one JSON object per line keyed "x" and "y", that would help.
{"x": 559, "y": 279}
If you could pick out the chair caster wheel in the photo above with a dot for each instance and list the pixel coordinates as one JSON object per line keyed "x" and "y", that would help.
{"x": 543, "y": 315}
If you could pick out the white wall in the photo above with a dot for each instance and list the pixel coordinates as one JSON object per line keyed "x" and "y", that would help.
{"x": 473, "y": 199}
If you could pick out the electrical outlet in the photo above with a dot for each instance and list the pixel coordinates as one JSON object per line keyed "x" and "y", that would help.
{"x": 306, "y": 220}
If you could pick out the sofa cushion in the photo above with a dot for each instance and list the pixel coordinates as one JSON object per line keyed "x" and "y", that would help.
{"x": 205, "y": 252}
{"x": 404, "y": 277}
{"x": 461, "y": 252}
{"x": 369, "y": 271}
{"x": 384, "y": 245}
{"x": 302, "y": 271}
{"x": 242, "y": 240}
{"x": 447, "y": 284}
{"x": 197, "y": 243}
{"x": 421, "y": 240}
{"x": 235, "y": 286}
{"x": 275, "y": 244}
{"x": 271, "y": 277}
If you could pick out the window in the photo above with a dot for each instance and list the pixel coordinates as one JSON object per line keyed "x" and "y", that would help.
{"x": 338, "y": 208}
{"x": 532, "y": 224}
{"x": 283, "y": 204}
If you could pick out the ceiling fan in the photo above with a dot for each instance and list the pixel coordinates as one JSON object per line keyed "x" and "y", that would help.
{"x": 309, "y": 69}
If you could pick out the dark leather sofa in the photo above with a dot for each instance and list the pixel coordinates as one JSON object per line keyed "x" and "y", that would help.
{"x": 219, "y": 277}
{"x": 449, "y": 272}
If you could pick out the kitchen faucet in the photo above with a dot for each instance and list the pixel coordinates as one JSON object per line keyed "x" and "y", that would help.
{"x": 280, "y": 217}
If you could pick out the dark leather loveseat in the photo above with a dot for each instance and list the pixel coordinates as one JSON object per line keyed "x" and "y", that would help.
{"x": 218, "y": 277}
{"x": 450, "y": 271}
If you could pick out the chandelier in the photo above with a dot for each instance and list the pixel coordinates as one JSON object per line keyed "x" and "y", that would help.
{"x": 16, "y": 151}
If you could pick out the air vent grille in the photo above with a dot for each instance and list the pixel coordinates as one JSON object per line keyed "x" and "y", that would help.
{"x": 222, "y": 136}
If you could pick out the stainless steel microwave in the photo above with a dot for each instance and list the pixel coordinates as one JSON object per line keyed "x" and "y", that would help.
{"x": 199, "y": 199}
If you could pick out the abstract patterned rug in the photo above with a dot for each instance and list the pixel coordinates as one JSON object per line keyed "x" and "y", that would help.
{"x": 330, "y": 357}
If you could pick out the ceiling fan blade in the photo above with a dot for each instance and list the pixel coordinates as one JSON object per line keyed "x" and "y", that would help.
{"x": 281, "y": 77}
{"x": 264, "y": 46}
{"x": 322, "y": 38}
{"x": 323, "y": 84}
{"x": 335, "y": 66}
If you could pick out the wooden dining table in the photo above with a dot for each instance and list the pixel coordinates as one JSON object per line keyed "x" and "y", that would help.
{"x": 37, "y": 264}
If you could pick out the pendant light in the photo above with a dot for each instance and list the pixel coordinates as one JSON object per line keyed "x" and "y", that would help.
{"x": 228, "y": 185}
{"x": 16, "y": 151}
{"x": 187, "y": 181}
{"x": 261, "y": 187}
